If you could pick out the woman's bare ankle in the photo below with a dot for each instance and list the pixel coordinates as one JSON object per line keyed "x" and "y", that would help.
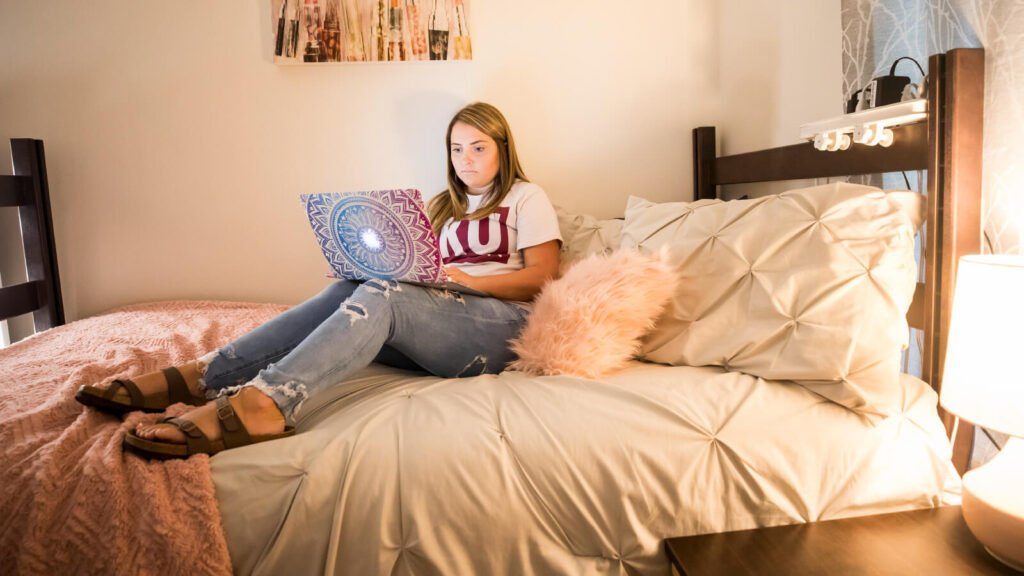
{"x": 191, "y": 372}
{"x": 254, "y": 401}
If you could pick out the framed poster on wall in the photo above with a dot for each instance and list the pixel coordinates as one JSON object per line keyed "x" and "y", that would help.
{"x": 316, "y": 31}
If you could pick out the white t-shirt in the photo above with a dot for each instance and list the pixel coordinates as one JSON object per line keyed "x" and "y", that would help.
{"x": 493, "y": 245}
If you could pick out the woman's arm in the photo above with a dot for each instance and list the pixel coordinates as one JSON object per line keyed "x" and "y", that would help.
{"x": 540, "y": 264}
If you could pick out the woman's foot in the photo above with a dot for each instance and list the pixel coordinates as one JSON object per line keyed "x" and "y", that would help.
{"x": 258, "y": 413}
{"x": 152, "y": 392}
{"x": 154, "y": 384}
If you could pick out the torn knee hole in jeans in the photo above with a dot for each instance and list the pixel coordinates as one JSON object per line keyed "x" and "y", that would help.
{"x": 474, "y": 368}
{"x": 355, "y": 311}
{"x": 450, "y": 295}
{"x": 382, "y": 286}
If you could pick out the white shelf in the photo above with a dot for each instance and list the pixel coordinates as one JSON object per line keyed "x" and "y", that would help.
{"x": 889, "y": 115}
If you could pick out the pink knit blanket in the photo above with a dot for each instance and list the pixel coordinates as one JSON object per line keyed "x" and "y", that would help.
{"x": 71, "y": 502}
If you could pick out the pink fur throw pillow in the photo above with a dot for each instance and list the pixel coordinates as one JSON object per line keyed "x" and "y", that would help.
{"x": 590, "y": 321}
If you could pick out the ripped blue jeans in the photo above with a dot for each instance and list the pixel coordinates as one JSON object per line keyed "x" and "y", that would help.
{"x": 348, "y": 325}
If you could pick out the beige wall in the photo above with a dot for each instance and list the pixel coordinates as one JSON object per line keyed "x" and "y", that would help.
{"x": 781, "y": 66}
{"x": 177, "y": 150}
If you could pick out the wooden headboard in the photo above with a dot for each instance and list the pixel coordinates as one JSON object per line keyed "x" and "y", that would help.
{"x": 948, "y": 146}
{"x": 29, "y": 191}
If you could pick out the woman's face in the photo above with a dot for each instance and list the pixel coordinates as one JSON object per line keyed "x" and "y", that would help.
{"x": 474, "y": 156}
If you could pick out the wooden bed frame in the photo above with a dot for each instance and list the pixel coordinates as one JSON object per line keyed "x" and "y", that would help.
{"x": 29, "y": 191}
{"x": 948, "y": 146}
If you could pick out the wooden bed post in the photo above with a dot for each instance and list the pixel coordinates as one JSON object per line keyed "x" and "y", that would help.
{"x": 955, "y": 128}
{"x": 704, "y": 163}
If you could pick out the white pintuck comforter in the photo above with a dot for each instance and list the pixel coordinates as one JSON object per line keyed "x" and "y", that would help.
{"x": 399, "y": 473}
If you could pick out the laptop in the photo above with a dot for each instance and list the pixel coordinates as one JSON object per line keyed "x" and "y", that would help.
{"x": 381, "y": 234}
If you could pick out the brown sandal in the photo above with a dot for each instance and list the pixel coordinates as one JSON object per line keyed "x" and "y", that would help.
{"x": 103, "y": 398}
{"x": 233, "y": 435}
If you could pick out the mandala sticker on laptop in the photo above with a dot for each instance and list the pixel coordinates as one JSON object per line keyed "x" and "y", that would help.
{"x": 376, "y": 234}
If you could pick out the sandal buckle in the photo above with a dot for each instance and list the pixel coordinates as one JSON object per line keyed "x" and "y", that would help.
{"x": 225, "y": 411}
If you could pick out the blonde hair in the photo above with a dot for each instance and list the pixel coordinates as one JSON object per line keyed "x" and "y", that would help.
{"x": 453, "y": 202}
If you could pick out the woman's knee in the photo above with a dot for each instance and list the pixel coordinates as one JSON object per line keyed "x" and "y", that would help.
{"x": 337, "y": 291}
{"x": 380, "y": 286}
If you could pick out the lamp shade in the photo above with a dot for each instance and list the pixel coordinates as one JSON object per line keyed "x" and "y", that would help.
{"x": 983, "y": 380}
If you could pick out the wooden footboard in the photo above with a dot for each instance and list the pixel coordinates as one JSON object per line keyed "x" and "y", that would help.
{"x": 29, "y": 191}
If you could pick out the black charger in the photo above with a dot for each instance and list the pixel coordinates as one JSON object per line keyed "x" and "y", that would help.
{"x": 881, "y": 90}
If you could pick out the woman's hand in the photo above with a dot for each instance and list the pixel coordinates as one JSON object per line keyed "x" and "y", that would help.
{"x": 457, "y": 275}
{"x": 540, "y": 264}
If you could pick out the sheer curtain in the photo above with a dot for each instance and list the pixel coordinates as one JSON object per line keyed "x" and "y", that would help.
{"x": 877, "y": 32}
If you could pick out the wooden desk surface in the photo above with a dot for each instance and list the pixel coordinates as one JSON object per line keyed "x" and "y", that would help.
{"x": 931, "y": 541}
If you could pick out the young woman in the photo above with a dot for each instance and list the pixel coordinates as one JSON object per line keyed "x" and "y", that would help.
{"x": 260, "y": 381}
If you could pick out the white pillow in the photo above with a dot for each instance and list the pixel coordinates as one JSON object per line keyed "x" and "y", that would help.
{"x": 584, "y": 235}
{"x": 811, "y": 285}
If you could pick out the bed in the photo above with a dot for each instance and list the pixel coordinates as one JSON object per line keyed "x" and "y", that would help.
{"x": 399, "y": 472}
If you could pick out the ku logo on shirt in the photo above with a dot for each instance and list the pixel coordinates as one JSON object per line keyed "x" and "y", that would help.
{"x": 474, "y": 241}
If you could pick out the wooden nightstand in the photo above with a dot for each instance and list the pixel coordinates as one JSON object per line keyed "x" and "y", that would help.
{"x": 931, "y": 541}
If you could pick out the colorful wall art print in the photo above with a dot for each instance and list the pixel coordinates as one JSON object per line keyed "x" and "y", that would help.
{"x": 313, "y": 31}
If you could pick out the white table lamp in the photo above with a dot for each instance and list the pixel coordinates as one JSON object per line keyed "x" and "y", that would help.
{"x": 983, "y": 383}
